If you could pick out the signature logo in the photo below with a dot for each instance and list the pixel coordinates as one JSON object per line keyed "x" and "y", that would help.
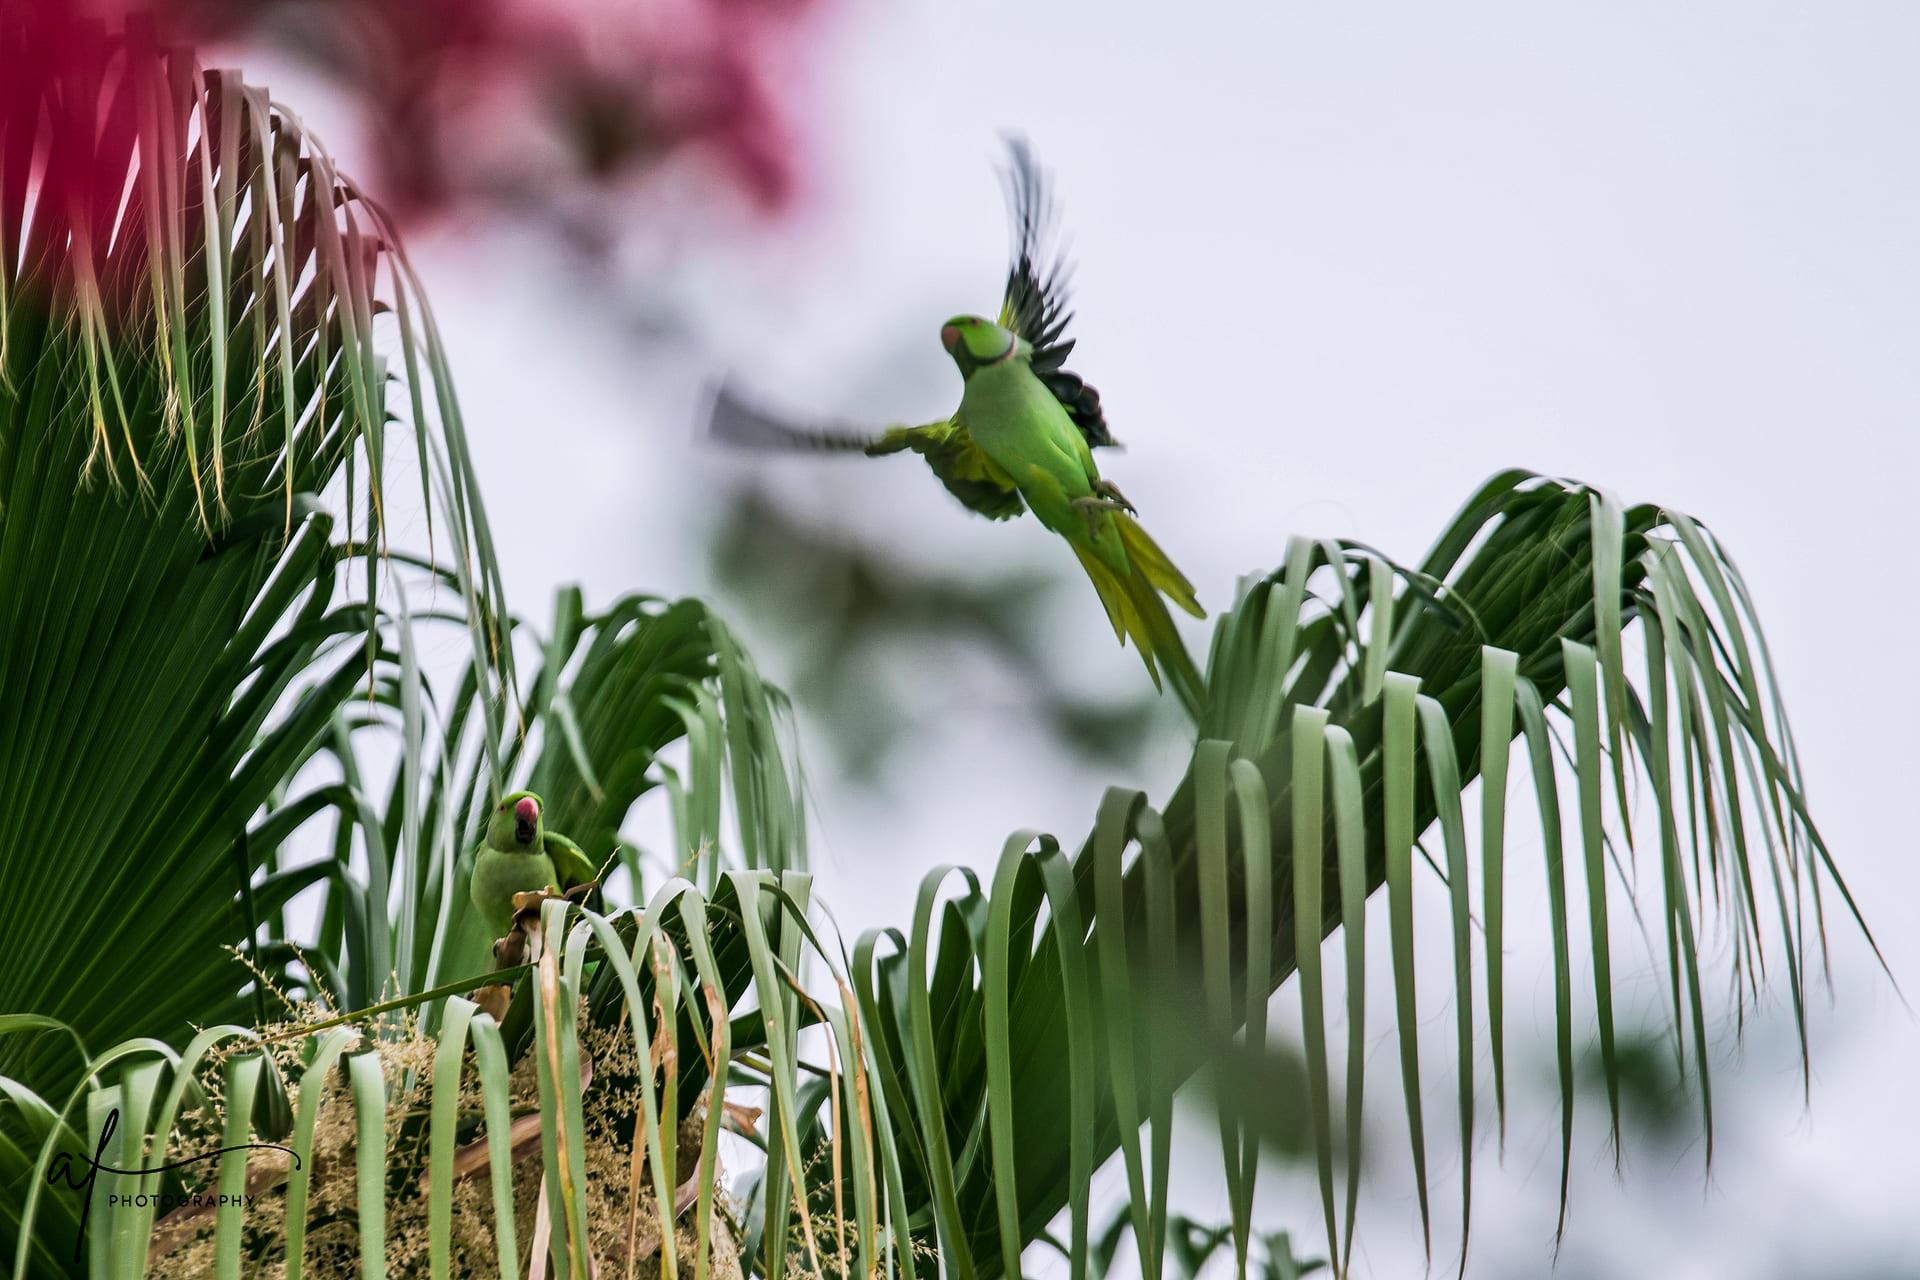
{"x": 66, "y": 1165}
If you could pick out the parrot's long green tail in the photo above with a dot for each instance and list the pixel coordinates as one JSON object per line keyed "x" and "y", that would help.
{"x": 1134, "y": 606}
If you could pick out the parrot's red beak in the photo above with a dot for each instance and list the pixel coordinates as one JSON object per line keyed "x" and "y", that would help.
{"x": 526, "y": 816}
{"x": 950, "y": 337}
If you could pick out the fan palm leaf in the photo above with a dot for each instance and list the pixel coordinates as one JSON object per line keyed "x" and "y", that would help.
{"x": 198, "y": 431}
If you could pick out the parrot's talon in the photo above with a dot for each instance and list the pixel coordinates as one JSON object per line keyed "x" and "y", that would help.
{"x": 1093, "y": 507}
{"x": 1109, "y": 490}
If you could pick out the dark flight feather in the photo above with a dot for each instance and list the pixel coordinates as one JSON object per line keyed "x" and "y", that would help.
{"x": 1035, "y": 306}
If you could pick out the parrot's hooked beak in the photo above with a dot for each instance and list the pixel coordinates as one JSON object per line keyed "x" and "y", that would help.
{"x": 526, "y": 815}
{"x": 950, "y": 337}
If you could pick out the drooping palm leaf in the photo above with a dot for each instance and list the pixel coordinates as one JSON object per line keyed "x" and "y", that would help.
{"x": 1385, "y": 704}
{"x": 198, "y": 426}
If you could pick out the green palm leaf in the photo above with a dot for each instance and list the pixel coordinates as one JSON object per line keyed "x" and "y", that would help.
{"x": 196, "y": 435}
{"x": 1512, "y": 623}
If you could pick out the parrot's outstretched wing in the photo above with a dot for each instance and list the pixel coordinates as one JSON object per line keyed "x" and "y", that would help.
{"x": 570, "y": 863}
{"x": 969, "y": 474}
{"x": 1035, "y": 305}
{"x": 735, "y": 421}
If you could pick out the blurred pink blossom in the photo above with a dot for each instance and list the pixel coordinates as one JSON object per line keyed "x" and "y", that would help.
{"x": 533, "y": 107}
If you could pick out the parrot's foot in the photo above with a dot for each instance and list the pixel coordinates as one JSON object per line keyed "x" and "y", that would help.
{"x": 510, "y": 952}
{"x": 1109, "y": 490}
{"x": 1094, "y": 506}
{"x": 522, "y": 944}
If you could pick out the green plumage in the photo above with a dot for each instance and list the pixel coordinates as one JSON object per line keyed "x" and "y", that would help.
{"x": 1023, "y": 437}
{"x": 1027, "y": 435}
{"x": 519, "y": 855}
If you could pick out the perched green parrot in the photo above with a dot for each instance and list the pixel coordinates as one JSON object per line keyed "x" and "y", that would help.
{"x": 520, "y": 855}
{"x": 1023, "y": 437}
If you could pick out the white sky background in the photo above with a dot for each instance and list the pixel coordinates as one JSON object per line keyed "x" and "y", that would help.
{"x": 1334, "y": 268}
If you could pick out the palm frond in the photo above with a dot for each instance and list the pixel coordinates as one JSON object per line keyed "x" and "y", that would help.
{"x": 1351, "y": 702}
{"x": 198, "y": 447}
{"x": 647, "y": 694}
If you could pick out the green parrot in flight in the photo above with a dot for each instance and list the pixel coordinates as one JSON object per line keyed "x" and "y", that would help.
{"x": 519, "y": 855}
{"x": 1023, "y": 437}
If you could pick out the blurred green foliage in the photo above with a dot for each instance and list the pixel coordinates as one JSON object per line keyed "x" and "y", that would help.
{"x": 843, "y": 611}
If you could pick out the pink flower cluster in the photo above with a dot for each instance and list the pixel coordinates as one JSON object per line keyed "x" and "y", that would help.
{"x": 522, "y": 106}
